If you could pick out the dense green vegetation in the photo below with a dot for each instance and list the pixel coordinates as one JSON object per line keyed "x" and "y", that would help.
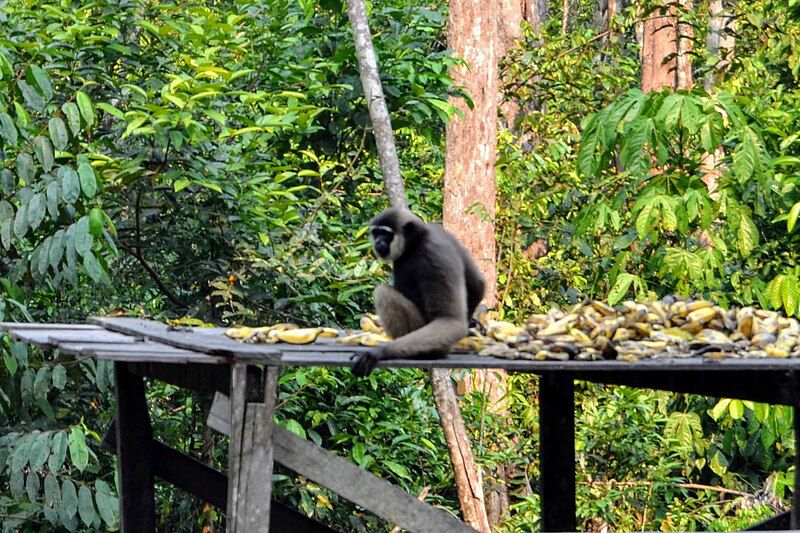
{"x": 209, "y": 162}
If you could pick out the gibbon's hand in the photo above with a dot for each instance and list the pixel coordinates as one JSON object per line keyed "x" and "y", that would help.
{"x": 365, "y": 362}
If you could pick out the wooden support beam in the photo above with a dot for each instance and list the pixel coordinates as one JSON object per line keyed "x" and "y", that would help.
{"x": 557, "y": 449}
{"x": 192, "y": 376}
{"x": 250, "y": 453}
{"x": 210, "y": 485}
{"x": 134, "y": 461}
{"x": 346, "y": 479}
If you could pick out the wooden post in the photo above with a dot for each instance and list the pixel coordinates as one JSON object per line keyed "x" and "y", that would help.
{"x": 557, "y": 450}
{"x": 250, "y": 453}
{"x": 134, "y": 454}
{"x": 794, "y": 380}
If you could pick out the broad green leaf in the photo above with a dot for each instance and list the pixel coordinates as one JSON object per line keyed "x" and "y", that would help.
{"x": 6, "y": 231}
{"x": 56, "y": 251}
{"x": 70, "y": 184}
{"x": 16, "y": 484}
{"x": 42, "y": 82}
{"x": 736, "y": 409}
{"x": 36, "y": 210}
{"x": 31, "y": 95}
{"x": 718, "y": 463}
{"x": 794, "y": 212}
{"x": 93, "y": 267}
{"x": 25, "y": 168}
{"x": 73, "y": 116}
{"x": 22, "y": 451}
{"x": 295, "y": 427}
{"x": 107, "y": 504}
{"x": 26, "y": 386}
{"x": 747, "y": 235}
{"x": 58, "y": 133}
{"x": 96, "y": 217}
{"x": 40, "y": 451}
{"x": 86, "y": 108}
{"x": 20, "y": 352}
{"x": 8, "y": 182}
{"x": 44, "y": 152}
{"x": 21, "y": 221}
{"x": 6, "y": 211}
{"x": 59, "y": 377}
{"x": 69, "y": 498}
{"x": 33, "y": 486}
{"x": 87, "y": 178}
{"x": 53, "y": 196}
{"x": 620, "y": 288}
{"x": 83, "y": 238}
{"x": 86, "y": 506}
{"x": 744, "y": 159}
{"x": 7, "y": 129}
{"x": 397, "y": 468}
{"x": 790, "y": 294}
{"x": 644, "y": 218}
{"x": 78, "y": 451}
{"x": 58, "y": 451}
{"x": 52, "y": 492}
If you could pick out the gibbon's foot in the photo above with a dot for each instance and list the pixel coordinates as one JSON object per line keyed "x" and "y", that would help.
{"x": 365, "y": 362}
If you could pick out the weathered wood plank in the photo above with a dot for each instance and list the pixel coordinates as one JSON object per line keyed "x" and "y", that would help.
{"x": 345, "y": 478}
{"x": 134, "y": 464}
{"x": 7, "y": 326}
{"x": 144, "y": 347}
{"x": 51, "y": 338}
{"x": 211, "y": 344}
{"x": 557, "y": 451}
{"x": 359, "y": 486}
{"x": 239, "y": 426}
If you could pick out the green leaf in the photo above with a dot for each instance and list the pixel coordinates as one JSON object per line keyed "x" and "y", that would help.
{"x": 96, "y": 217}
{"x": 53, "y": 196}
{"x": 398, "y": 469}
{"x": 40, "y": 451}
{"x": 73, "y": 117}
{"x": 6, "y": 211}
{"x": 93, "y": 268}
{"x": 6, "y": 230}
{"x": 295, "y": 427}
{"x": 78, "y": 451}
{"x": 790, "y": 294}
{"x": 36, "y": 210}
{"x": 59, "y": 377}
{"x": 83, "y": 238}
{"x": 21, "y": 221}
{"x": 25, "y": 168}
{"x": 33, "y": 485}
{"x": 718, "y": 463}
{"x": 620, "y": 287}
{"x": 69, "y": 498}
{"x": 52, "y": 492}
{"x": 7, "y": 129}
{"x": 747, "y": 235}
{"x": 8, "y": 182}
{"x": 86, "y": 108}
{"x": 736, "y": 409}
{"x": 16, "y": 484}
{"x": 644, "y": 218}
{"x": 42, "y": 82}
{"x": 58, "y": 133}
{"x": 107, "y": 504}
{"x": 88, "y": 179}
{"x": 744, "y": 159}
{"x": 58, "y": 451}
{"x": 44, "y": 152}
{"x": 70, "y": 184}
{"x": 791, "y": 221}
{"x": 31, "y": 95}
{"x": 86, "y": 506}
{"x": 22, "y": 451}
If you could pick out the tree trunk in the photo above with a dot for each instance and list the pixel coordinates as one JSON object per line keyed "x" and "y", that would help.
{"x": 720, "y": 43}
{"x": 665, "y": 49}
{"x": 468, "y": 482}
{"x": 479, "y": 32}
{"x": 564, "y": 16}
{"x": 376, "y": 102}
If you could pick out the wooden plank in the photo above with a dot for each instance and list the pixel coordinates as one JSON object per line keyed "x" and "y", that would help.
{"x": 88, "y": 348}
{"x": 134, "y": 464}
{"x": 557, "y": 451}
{"x": 210, "y": 485}
{"x": 51, "y": 338}
{"x": 359, "y": 486}
{"x": 211, "y": 344}
{"x": 7, "y": 326}
{"x": 235, "y": 448}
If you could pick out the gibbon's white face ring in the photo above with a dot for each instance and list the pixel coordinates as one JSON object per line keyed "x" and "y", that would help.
{"x": 396, "y": 247}
{"x": 382, "y": 239}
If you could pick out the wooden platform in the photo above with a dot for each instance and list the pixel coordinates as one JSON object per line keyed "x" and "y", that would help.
{"x": 243, "y": 378}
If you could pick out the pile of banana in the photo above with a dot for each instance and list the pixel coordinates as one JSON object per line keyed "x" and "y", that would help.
{"x": 594, "y": 330}
{"x": 371, "y": 334}
{"x": 632, "y": 331}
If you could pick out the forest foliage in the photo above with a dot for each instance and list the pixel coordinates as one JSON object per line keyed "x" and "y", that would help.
{"x": 212, "y": 163}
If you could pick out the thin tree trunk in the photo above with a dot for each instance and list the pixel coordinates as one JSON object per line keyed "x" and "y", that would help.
{"x": 376, "y": 102}
{"x": 468, "y": 482}
{"x": 564, "y": 16}
{"x": 720, "y": 43}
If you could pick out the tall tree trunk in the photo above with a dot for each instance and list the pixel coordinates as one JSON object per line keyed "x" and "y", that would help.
{"x": 564, "y": 16}
{"x": 468, "y": 481}
{"x": 666, "y": 45}
{"x": 479, "y": 32}
{"x": 720, "y": 42}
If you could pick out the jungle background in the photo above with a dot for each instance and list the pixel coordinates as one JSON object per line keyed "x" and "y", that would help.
{"x": 212, "y": 163}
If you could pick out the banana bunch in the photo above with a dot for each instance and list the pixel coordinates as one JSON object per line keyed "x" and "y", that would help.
{"x": 283, "y": 332}
{"x": 371, "y": 323}
{"x": 473, "y": 342}
{"x": 365, "y": 338}
{"x": 506, "y": 332}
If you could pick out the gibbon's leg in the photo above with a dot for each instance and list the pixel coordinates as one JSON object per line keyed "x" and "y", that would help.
{"x": 398, "y": 314}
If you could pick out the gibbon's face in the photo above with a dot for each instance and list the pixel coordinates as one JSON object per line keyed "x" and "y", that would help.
{"x": 388, "y": 244}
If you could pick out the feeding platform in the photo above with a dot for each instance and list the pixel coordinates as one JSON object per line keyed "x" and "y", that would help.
{"x": 243, "y": 379}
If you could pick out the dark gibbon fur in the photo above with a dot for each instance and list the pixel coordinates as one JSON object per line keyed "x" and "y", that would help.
{"x": 437, "y": 287}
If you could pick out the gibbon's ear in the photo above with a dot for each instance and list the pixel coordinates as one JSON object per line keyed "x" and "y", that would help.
{"x": 413, "y": 230}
